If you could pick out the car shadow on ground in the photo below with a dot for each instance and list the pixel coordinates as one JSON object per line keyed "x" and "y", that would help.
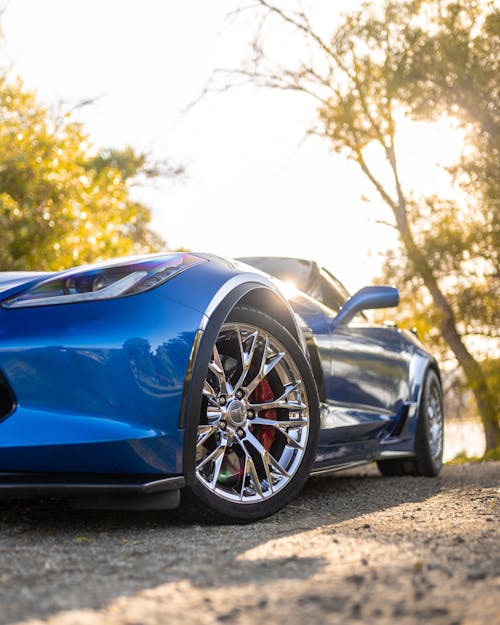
{"x": 49, "y": 553}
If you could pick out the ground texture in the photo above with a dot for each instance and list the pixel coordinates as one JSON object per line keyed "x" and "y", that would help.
{"x": 356, "y": 548}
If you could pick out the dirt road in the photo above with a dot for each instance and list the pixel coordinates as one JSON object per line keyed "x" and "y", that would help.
{"x": 356, "y": 548}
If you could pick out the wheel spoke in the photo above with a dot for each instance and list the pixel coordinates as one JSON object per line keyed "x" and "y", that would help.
{"x": 252, "y": 473}
{"x": 208, "y": 391}
{"x": 210, "y": 394}
{"x": 282, "y": 401}
{"x": 213, "y": 412}
{"x": 270, "y": 366}
{"x": 219, "y": 451}
{"x": 204, "y": 433}
{"x": 292, "y": 406}
{"x": 244, "y": 479}
{"x": 265, "y": 367}
{"x": 257, "y": 379}
{"x": 217, "y": 368}
{"x": 265, "y": 454}
{"x": 217, "y": 467}
{"x": 286, "y": 424}
{"x": 276, "y": 465}
{"x": 246, "y": 356}
{"x": 283, "y": 427}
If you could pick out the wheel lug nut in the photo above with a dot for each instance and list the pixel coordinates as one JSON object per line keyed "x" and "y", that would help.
{"x": 250, "y": 414}
{"x": 222, "y": 425}
{"x": 239, "y": 394}
{"x": 222, "y": 400}
{"x": 240, "y": 433}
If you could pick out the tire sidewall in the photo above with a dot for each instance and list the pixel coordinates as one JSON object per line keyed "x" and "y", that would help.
{"x": 426, "y": 464}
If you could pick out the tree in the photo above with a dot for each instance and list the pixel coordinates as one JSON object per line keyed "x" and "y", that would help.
{"x": 456, "y": 69}
{"x": 62, "y": 203}
{"x": 420, "y": 59}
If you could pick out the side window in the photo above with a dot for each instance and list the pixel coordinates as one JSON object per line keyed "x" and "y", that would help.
{"x": 331, "y": 295}
{"x": 337, "y": 294}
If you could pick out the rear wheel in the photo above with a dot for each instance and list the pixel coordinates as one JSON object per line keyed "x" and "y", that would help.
{"x": 259, "y": 422}
{"x": 428, "y": 458}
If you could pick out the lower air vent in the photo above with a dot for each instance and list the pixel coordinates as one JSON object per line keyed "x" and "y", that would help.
{"x": 7, "y": 401}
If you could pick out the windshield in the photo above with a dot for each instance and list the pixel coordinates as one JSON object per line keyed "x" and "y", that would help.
{"x": 306, "y": 276}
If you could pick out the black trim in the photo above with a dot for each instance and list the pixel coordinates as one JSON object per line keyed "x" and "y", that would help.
{"x": 403, "y": 419}
{"x": 7, "y": 398}
{"x": 84, "y": 485}
{"x": 316, "y": 367}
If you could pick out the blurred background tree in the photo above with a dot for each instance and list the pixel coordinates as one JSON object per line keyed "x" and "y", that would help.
{"x": 451, "y": 68}
{"x": 62, "y": 203}
{"x": 420, "y": 60}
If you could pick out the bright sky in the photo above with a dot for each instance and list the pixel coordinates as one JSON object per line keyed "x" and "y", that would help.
{"x": 250, "y": 187}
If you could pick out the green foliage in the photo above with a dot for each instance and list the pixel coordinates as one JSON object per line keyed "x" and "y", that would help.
{"x": 450, "y": 67}
{"x": 492, "y": 455}
{"x": 60, "y": 203}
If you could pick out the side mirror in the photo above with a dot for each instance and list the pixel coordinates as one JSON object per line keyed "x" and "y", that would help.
{"x": 367, "y": 298}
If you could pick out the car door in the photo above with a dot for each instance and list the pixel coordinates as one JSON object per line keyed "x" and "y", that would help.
{"x": 368, "y": 381}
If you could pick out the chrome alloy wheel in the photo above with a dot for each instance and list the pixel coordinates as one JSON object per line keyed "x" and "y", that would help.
{"x": 435, "y": 423}
{"x": 254, "y": 425}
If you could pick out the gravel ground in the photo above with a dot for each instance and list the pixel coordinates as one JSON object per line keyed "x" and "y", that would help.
{"x": 354, "y": 548}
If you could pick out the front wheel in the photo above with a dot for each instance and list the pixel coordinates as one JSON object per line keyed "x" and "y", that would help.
{"x": 259, "y": 422}
{"x": 428, "y": 458}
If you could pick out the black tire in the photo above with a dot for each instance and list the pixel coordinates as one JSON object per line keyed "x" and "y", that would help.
{"x": 428, "y": 458}
{"x": 262, "y": 489}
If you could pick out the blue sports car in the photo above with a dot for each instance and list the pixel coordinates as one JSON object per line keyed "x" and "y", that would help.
{"x": 132, "y": 382}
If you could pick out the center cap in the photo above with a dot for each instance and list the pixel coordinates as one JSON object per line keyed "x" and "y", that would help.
{"x": 236, "y": 413}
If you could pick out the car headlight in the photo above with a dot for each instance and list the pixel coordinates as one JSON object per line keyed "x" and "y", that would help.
{"x": 104, "y": 281}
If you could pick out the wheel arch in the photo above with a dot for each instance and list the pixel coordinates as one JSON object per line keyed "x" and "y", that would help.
{"x": 272, "y": 304}
{"x": 430, "y": 365}
{"x": 424, "y": 363}
{"x": 435, "y": 367}
{"x": 252, "y": 295}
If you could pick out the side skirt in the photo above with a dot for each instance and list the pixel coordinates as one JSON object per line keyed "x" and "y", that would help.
{"x": 338, "y": 467}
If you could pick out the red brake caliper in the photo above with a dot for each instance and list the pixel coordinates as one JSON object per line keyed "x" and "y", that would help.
{"x": 265, "y": 433}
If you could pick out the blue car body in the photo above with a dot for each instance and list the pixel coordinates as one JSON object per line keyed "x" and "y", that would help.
{"x": 104, "y": 395}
